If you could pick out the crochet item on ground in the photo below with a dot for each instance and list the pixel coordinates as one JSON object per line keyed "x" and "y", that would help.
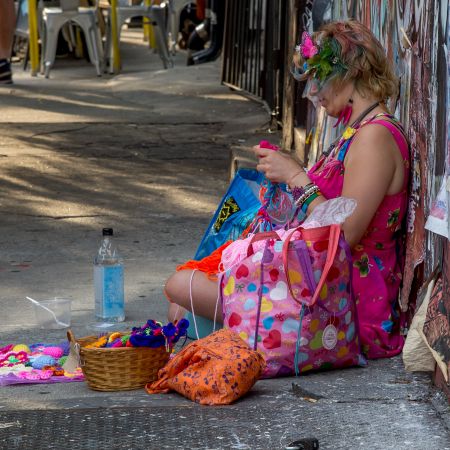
{"x": 36, "y": 363}
{"x": 215, "y": 370}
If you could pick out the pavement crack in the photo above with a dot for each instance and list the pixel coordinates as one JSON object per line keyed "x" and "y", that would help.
{"x": 67, "y": 130}
{"x": 43, "y": 216}
{"x": 382, "y": 400}
{"x": 191, "y": 158}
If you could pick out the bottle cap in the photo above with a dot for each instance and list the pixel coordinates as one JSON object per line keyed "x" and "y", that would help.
{"x": 107, "y": 231}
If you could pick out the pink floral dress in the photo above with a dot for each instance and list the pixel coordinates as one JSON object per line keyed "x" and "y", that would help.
{"x": 377, "y": 264}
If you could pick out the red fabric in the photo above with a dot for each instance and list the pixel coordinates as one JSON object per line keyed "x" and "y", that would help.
{"x": 209, "y": 264}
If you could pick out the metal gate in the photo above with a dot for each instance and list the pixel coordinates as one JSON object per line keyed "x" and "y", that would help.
{"x": 253, "y": 51}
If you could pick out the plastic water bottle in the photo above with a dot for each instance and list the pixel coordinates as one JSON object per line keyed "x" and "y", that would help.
{"x": 108, "y": 281}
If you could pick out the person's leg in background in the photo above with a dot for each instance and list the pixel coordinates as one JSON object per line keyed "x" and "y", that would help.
{"x": 7, "y": 26}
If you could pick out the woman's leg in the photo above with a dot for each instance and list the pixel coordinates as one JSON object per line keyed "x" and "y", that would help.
{"x": 176, "y": 312}
{"x": 182, "y": 284}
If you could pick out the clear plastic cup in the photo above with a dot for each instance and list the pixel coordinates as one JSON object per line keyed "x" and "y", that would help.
{"x": 61, "y": 308}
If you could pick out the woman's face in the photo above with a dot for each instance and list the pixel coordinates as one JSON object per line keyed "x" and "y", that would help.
{"x": 333, "y": 96}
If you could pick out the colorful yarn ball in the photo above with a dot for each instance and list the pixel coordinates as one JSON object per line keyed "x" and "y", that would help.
{"x": 57, "y": 371}
{"x": 99, "y": 343}
{"x": 55, "y": 352}
{"x": 62, "y": 360}
{"x": 117, "y": 343}
{"x": 113, "y": 336}
{"x": 65, "y": 345}
{"x": 21, "y": 348}
{"x": 44, "y": 360}
{"x": 124, "y": 339}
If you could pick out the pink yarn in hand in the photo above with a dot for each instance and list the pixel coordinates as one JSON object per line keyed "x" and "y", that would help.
{"x": 267, "y": 144}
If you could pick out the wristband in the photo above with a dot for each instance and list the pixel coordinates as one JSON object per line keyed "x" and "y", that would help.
{"x": 309, "y": 200}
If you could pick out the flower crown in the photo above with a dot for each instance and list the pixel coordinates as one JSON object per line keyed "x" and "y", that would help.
{"x": 321, "y": 61}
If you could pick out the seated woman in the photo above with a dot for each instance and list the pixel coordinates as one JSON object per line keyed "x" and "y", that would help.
{"x": 348, "y": 74}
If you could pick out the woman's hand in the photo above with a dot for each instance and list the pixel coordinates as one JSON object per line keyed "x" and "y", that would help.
{"x": 277, "y": 167}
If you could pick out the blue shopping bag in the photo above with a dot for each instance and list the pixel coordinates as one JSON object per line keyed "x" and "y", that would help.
{"x": 236, "y": 210}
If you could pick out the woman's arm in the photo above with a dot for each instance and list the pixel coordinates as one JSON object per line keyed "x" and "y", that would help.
{"x": 370, "y": 166}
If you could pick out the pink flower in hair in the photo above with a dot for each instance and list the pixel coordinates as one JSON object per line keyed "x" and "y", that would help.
{"x": 307, "y": 47}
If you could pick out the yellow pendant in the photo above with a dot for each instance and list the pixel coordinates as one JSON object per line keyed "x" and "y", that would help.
{"x": 348, "y": 133}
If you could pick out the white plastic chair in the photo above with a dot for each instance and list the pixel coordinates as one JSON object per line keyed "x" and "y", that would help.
{"x": 156, "y": 14}
{"x": 54, "y": 19}
{"x": 175, "y": 9}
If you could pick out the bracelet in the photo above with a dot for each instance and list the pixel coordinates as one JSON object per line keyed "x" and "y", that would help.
{"x": 310, "y": 189}
{"x": 298, "y": 191}
{"x": 309, "y": 200}
{"x": 293, "y": 176}
{"x": 302, "y": 199}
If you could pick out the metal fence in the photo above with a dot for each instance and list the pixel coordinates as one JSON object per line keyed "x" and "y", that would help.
{"x": 253, "y": 50}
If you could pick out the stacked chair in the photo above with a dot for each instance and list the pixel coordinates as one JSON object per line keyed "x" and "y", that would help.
{"x": 156, "y": 14}
{"x": 69, "y": 11}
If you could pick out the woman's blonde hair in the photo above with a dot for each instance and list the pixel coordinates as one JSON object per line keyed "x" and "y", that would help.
{"x": 362, "y": 53}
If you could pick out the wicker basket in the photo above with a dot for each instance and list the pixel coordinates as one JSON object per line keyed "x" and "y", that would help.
{"x": 119, "y": 369}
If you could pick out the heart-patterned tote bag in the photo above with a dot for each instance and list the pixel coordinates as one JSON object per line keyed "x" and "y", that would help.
{"x": 291, "y": 299}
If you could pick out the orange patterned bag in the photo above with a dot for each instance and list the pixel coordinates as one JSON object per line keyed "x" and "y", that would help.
{"x": 215, "y": 370}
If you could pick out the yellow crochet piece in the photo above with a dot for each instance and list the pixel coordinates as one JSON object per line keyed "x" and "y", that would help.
{"x": 101, "y": 342}
{"x": 21, "y": 348}
{"x": 113, "y": 336}
{"x": 74, "y": 374}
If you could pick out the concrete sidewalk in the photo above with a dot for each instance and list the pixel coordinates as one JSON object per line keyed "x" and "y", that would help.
{"x": 147, "y": 153}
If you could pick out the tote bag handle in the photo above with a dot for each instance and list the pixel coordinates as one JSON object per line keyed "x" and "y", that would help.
{"x": 333, "y": 244}
{"x": 262, "y": 236}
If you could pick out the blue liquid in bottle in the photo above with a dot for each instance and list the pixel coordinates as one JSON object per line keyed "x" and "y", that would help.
{"x": 109, "y": 282}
